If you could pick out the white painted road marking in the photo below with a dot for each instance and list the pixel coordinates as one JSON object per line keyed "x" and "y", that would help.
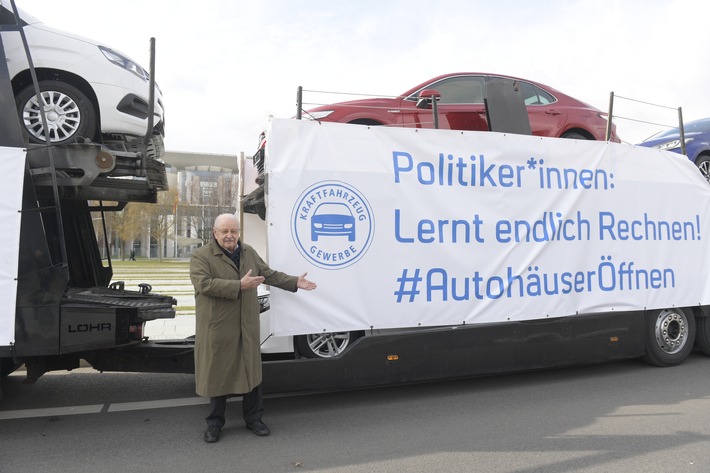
{"x": 99, "y": 408}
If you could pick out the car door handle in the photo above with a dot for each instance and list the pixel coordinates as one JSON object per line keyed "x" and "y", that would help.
{"x": 552, "y": 112}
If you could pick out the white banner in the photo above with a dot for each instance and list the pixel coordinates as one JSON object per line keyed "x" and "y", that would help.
{"x": 403, "y": 227}
{"x": 12, "y": 166}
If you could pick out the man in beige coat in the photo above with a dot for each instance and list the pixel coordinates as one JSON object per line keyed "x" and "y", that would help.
{"x": 225, "y": 274}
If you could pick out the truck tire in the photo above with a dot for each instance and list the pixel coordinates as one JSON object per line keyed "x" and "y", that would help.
{"x": 702, "y": 335}
{"x": 70, "y": 113}
{"x": 670, "y": 335}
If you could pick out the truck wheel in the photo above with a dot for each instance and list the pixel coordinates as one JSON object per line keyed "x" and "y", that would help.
{"x": 702, "y": 335}
{"x": 70, "y": 113}
{"x": 324, "y": 345}
{"x": 670, "y": 334}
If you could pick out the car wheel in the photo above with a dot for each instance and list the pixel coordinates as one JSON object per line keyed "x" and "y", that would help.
{"x": 670, "y": 334}
{"x": 365, "y": 121}
{"x": 573, "y": 136}
{"x": 70, "y": 114}
{"x": 326, "y": 344}
{"x": 703, "y": 164}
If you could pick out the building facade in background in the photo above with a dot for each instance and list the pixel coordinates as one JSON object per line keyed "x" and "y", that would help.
{"x": 202, "y": 186}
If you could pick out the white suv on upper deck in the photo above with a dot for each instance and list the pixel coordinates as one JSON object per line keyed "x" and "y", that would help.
{"x": 89, "y": 90}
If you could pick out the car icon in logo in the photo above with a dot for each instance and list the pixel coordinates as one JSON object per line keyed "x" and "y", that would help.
{"x": 332, "y": 219}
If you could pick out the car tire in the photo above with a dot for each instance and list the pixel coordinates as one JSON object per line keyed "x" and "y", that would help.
{"x": 670, "y": 336}
{"x": 326, "y": 344}
{"x": 70, "y": 113}
{"x": 703, "y": 164}
{"x": 573, "y": 136}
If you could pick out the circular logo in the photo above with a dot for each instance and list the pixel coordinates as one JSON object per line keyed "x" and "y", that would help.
{"x": 332, "y": 224}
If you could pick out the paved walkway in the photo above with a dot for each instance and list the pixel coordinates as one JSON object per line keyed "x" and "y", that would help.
{"x": 182, "y": 326}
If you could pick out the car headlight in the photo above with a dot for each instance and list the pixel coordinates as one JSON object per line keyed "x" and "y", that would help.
{"x": 673, "y": 144}
{"x": 317, "y": 225}
{"x": 124, "y": 62}
{"x": 348, "y": 226}
{"x": 317, "y": 115}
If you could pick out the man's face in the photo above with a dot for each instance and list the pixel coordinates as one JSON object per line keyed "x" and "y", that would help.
{"x": 226, "y": 232}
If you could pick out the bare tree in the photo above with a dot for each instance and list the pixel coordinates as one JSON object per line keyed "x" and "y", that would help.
{"x": 160, "y": 218}
{"x": 132, "y": 222}
{"x": 203, "y": 198}
{"x": 111, "y": 221}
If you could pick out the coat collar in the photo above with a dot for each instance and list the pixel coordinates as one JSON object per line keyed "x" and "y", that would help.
{"x": 219, "y": 251}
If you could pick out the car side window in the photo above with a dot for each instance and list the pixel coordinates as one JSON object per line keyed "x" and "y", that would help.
{"x": 533, "y": 95}
{"x": 459, "y": 90}
{"x": 8, "y": 18}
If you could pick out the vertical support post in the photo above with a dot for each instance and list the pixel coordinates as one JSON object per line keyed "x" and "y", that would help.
{"x": 151, "y": 111}
{"x": 151, "y": 94}
{"x": 175, "y": 222}
{"x": 240, "y": 187}
{"x": 435, "y": 110}
{"x": 107, "y": 247}
{"x": 610, "y": 116}
{"x": 681, "y": 128}
{"x": 299, "y": 102}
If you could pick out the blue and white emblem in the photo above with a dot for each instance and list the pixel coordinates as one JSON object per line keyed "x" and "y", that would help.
{"x": 332, "y": 224}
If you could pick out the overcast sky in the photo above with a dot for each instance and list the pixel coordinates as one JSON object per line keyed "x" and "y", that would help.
{"x": 225, "y": 66}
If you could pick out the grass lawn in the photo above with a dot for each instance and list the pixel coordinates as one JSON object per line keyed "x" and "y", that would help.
{"x": 169, "y": 277}
{"x": 148, "y": 263}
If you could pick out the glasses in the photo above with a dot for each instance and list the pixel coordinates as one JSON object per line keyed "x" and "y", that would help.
{"x": 225, "y": 231}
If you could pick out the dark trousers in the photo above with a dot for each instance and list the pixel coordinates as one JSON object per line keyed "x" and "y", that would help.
{"x": 252, "y": 407}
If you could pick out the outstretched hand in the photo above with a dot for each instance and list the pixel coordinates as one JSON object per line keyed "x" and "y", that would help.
{"x": 304, "y": 283}
{"x": 250, "y": 282}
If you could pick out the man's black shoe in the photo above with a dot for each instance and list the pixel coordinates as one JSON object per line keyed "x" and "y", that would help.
{"x": 259, "y": 428}
{"x": 212, "y": 433}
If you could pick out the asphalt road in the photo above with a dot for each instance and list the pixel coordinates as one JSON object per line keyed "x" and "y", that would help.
{"x": 624, "y": 417}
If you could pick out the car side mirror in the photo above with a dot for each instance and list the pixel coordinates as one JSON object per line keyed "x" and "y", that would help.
{"x": 426, "y": 97}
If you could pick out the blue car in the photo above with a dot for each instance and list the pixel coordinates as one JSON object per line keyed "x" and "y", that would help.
{"x": 331, "y": 219}
{"x": 697, "y": 143}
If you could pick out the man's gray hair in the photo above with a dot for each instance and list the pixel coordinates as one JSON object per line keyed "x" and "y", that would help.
{"x": 226, "y": 216}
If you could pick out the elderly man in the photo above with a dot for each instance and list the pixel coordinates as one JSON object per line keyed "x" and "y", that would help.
{"x": 226, "y": 273}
